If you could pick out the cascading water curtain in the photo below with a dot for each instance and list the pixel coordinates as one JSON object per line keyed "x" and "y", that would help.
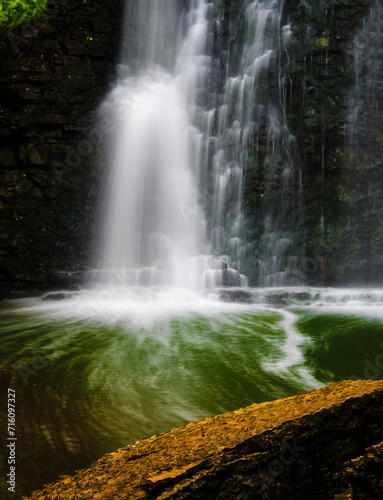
{"x": 252, "y": 183}
{"x": 195, "y": 110}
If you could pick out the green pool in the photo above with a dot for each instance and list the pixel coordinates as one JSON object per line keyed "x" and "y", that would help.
{"x": 94, "y": 373}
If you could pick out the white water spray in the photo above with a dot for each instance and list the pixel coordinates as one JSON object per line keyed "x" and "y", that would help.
{"x": 154, "y": 228}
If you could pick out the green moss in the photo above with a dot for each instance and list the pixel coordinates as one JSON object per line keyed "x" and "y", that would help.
{"x": 15, "y": 12}
{"x": 322, "y": 43}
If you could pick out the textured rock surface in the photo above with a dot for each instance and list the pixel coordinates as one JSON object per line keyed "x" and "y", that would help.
{"x": 335, "y": 112}
{"x": 321, "y": 200}
{"x": 53, "y": 74}
{"x": 313, "y": 445}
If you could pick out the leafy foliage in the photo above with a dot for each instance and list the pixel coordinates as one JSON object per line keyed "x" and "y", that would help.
{"x": 15, "y": 12}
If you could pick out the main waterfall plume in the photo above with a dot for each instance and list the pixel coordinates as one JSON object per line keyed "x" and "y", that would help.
{"x": 154, "y": 231}
{"x": 153, "y": 221}
{"x": 191, "y": 122}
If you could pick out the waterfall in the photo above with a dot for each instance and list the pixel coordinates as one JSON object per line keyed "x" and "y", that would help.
{"x": 186, "y": 114}
{"x": 250, "y": 120}
{"x": 153, "y": 228}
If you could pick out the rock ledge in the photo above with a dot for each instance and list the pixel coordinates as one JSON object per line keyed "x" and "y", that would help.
{"x": 318, "y": 443}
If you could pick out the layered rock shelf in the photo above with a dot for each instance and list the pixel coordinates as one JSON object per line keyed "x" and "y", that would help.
{"x": 315, "y": 445}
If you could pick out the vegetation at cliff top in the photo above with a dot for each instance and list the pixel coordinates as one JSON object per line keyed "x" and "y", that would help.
{"x": 15, "y": 12}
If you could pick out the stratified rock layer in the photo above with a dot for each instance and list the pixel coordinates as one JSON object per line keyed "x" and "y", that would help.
{"x": 54, "y": 72}
{"x": 312, "y": 445}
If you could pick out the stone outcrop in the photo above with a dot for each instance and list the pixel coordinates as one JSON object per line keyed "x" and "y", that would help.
{"x": 313, "y": 445}
{"x": 54, "y": 73}
{"x": 321, "y": 200}
{"x": 335, "y": 110}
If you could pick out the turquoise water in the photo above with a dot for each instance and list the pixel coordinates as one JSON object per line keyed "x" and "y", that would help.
{"x": 93, "y": 374}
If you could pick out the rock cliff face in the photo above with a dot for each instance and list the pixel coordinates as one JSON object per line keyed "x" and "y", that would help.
{"x": 314, "y": 445}
{"x": 54, "y": 73}
{"x": 320, "y": 199}
{"x": 335, "y": 112}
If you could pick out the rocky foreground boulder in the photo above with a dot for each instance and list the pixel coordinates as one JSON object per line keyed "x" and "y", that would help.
{"x": 315, "y": 445}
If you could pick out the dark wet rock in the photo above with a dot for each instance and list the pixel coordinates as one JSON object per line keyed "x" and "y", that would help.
{"x": 58, "y": 296}
{"x": 236, "y": 295}
{"x": 220, "y": 264}
{"x": 330, "y": 216}
{"x": 53, "y": 75}
{"x": 67, "y": 279}
{"x": 366, "y": 473}
{"x": 229, "y": 277}
{"x": 276, "y": 298}
{"x": 313, "y": 445}
{"x": 301, "y": 296}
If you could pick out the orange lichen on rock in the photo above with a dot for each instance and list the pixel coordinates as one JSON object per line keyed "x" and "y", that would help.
{"x": 280, "y": 449}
